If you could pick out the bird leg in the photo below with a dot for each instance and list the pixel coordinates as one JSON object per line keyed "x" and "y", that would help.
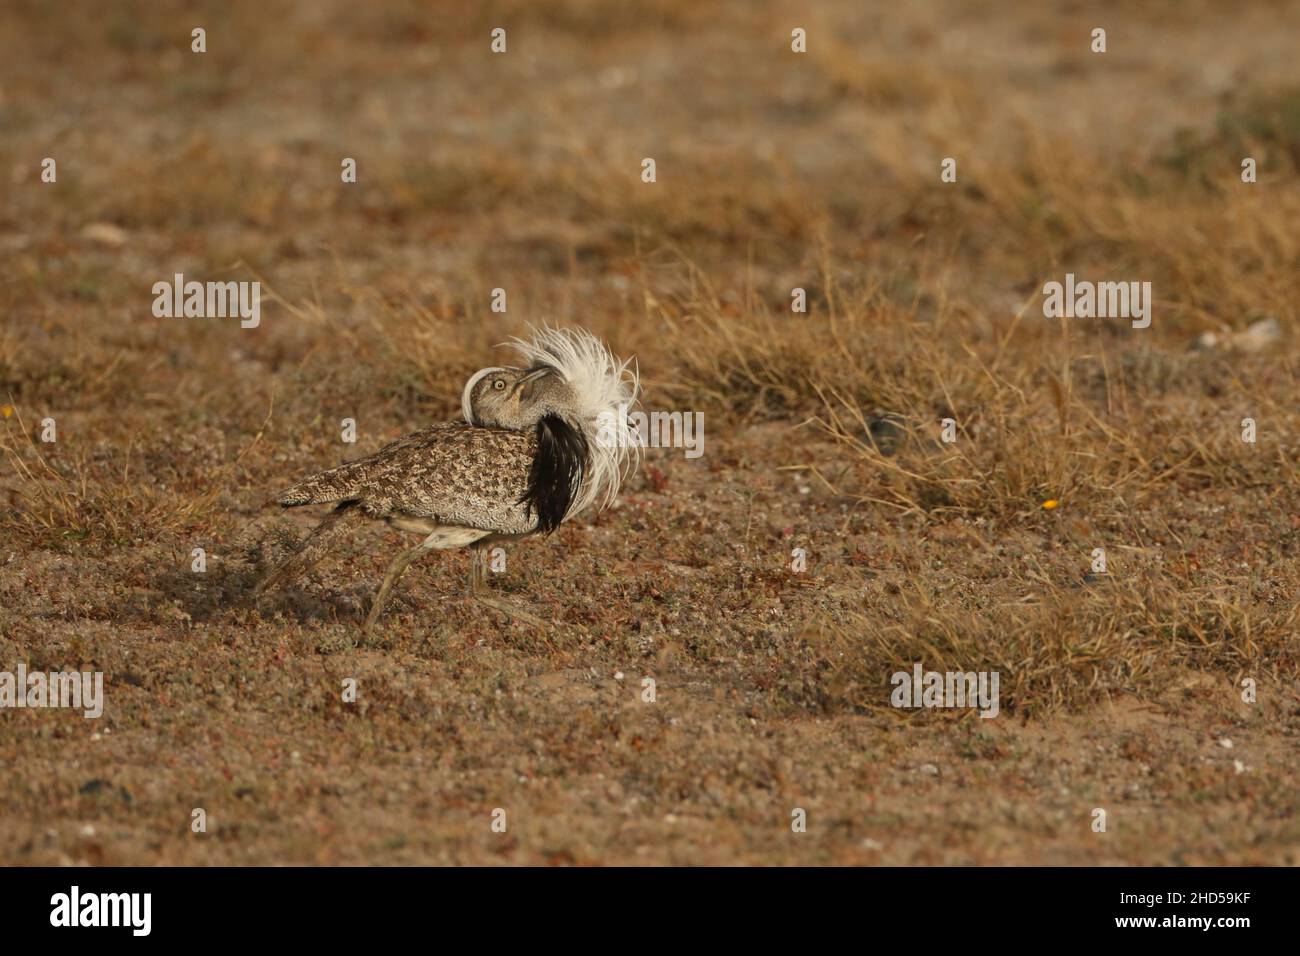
{"x": 478, "y": 573}
{"x": 478, "y": 568}
{"x": 478, "y": 589}
{"x": 312, "y": 549}
{"x": 395, "y": 570}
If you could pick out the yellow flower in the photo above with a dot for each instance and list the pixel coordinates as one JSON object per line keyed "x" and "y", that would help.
{"x": 1050, "y": 503}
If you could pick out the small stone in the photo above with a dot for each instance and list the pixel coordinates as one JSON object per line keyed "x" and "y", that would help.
{"x": 105, "y": 234}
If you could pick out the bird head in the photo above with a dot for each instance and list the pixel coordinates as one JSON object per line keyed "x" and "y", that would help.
{"x": 571, "y": 374}
{"x": 517, "y": 398}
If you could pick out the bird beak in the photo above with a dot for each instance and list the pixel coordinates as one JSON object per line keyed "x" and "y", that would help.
{"x": 533, "y": 376}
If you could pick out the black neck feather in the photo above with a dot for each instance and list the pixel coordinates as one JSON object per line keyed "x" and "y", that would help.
{"x": 556, "y": 472}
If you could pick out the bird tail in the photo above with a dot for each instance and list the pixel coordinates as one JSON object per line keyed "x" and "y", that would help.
{"x": 336, "y": 484}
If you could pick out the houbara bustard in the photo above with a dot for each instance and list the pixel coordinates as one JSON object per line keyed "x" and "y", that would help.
{"x": 540, "y": 443}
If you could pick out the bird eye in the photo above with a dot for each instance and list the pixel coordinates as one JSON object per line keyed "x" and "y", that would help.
{"x": 499, "y": 384}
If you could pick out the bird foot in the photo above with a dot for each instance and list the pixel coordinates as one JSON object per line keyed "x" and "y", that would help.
{"x": 510, "y": 610}
{"x": 368, "y": 628}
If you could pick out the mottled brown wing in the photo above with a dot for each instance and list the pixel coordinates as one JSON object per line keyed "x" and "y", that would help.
{"x": 453, "y": 474}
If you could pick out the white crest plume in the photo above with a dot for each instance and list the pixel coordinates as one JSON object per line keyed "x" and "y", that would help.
{"x": 605, "y": 391}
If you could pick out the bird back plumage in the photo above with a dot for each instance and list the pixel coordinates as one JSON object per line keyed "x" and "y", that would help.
{"x": 453, "y": 474}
